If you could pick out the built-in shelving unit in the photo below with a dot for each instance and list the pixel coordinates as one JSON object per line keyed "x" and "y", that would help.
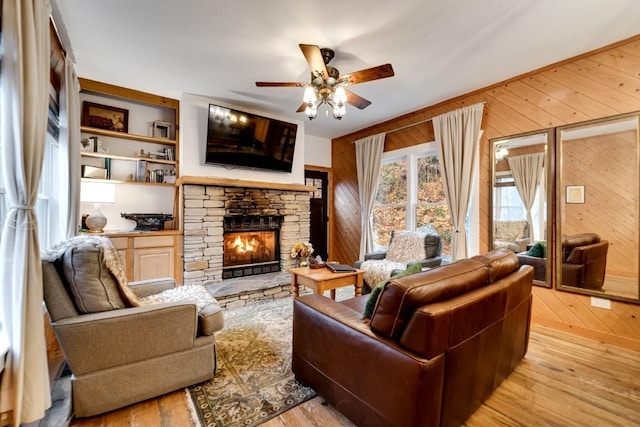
{"x": 143, "y": 163}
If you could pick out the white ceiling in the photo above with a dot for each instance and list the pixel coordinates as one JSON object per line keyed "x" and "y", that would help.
{"x": 439, "y": 49}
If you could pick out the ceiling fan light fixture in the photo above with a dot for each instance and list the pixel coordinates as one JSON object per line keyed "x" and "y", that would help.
{"x": 340, "y": 95}
{"x": 310, "y": 97}
{"x": 311, "y": 111}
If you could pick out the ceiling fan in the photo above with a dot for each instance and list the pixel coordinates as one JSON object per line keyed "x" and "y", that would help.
{"x": 328, "y": 86}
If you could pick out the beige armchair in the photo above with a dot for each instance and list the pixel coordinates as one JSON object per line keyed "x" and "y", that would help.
{"x": 120, "y": 354}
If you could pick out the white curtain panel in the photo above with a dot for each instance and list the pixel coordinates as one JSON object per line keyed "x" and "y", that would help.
{"x": 24, "y": 391}
{"x": 69, "y": 152}
{"x": 368, "y": 160}
{"x": 457, "y": 134}
{"x": 526, "y": 171}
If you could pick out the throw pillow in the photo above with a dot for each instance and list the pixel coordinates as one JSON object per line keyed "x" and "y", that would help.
{"x": 375, "y": 292}
{"x": 538, "y": 250}
{"x": 406, "y": 246}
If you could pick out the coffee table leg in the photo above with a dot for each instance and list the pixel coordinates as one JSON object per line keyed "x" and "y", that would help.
{"x": 333, "y": 294}
{"x": 359, "y": 282}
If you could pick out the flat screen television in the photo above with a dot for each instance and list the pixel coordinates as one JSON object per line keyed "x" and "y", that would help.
{"x": 248, "y": 140}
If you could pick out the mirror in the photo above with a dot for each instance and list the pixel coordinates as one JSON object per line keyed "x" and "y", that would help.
{"x": 598, "y": 213}
{"x": 520, "y": 199}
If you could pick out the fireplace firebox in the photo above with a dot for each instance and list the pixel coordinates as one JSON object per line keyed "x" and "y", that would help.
{"x": 251, "y": 245}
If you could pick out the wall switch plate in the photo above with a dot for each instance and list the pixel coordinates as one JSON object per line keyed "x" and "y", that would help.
{"x": 601, "y": 303}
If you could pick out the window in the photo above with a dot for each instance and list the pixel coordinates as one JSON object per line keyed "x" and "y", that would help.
{"x": 410, "y": 195}
{"x": 508, "y": 204}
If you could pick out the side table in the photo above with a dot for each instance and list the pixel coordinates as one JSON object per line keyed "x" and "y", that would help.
{"x": 322, "y": 279}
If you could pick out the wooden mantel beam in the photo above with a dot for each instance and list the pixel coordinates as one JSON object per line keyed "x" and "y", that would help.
{"x": 226, "y": 182}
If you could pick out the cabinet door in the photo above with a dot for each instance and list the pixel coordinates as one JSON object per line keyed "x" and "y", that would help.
{"x": 153, "y": 263}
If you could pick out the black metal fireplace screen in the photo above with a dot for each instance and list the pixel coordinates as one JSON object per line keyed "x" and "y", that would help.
{"x": 251, "y": 245}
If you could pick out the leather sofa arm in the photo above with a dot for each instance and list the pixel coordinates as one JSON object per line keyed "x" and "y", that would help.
{"x": 333, "y": 344}
{"x": 573, "y": 275}
{"x": 144, "y": 288}
{"x": 97, "y": 341}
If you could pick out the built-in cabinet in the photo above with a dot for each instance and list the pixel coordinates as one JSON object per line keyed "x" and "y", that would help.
{"x": 131, "y": 139}
{"x": 150, "y": 255}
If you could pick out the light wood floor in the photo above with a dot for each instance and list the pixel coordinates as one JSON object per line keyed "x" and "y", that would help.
{"x": 564, "y": 380}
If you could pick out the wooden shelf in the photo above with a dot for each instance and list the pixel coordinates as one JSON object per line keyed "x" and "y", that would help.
{"x": 132, "y": 136}
{"x": 126, "y": 158}
{"x": 117, "y": 181}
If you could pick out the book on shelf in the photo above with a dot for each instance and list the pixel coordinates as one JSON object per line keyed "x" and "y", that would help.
{"x": 141, "y": 170}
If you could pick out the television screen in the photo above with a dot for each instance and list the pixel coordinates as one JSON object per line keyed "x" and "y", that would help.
{"x": 247, "y": 140}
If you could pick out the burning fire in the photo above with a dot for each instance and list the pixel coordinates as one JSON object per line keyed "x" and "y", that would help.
{"x": 242, "y": 246}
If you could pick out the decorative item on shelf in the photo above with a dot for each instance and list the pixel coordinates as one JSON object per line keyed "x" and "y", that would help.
{"x": 170, "y": 153}
{"x": 148, "y": 221}
{"x": 88, "y": 145}
{"x": 107, "y": 166}
{"x": 300, "y": 251}
{"x": 105, "y": 117}
{"x": 162, "y": 129}
{"x": 97, "y": 193}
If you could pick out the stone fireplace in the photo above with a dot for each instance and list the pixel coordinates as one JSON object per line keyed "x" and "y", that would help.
{"x": 235, "y": 228}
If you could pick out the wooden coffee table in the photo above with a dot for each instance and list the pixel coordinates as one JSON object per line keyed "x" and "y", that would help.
{"x": 322, "y": 279}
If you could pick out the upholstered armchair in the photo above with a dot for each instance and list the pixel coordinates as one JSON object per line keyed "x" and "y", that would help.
{"x": 511, "y": 234}
{"x": 406, "y": 248}
{"x": 584, "y": 260}
{"x": 125, "y": 342}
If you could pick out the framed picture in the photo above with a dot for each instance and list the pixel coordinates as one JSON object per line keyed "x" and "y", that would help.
{"x": 105, "y": 117}
{"x": 161, "y": 129}
{"x": 574, "y": 194}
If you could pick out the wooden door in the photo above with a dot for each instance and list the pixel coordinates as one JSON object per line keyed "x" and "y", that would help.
{"x": 319, "y": 214}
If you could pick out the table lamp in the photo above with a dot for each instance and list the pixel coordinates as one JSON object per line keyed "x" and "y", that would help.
{"x": 97, "y": 193}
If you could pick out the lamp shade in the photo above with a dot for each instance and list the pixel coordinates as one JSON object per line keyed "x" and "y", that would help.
{"x": 97, "y": 192}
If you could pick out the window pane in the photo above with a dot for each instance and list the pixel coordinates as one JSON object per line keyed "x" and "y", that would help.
{"x": 392, "y": 187}
{"x": 385, "y": 219}
{"x": 390, "y": 212}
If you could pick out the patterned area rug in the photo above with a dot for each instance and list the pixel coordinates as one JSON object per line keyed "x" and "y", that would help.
{"x": 254, "y": 382}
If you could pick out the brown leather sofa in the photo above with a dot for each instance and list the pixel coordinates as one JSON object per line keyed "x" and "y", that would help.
{"x": 438, "y": 343}
{"x": 584, "y": 260}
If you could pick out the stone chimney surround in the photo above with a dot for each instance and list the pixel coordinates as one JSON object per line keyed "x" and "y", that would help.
{"x": 206, "y": 201}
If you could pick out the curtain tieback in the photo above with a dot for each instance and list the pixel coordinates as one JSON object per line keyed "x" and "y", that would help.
{"x": 21, "y": 207}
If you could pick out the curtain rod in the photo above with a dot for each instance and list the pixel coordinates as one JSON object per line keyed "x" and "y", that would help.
{"x": 417, "y": 123}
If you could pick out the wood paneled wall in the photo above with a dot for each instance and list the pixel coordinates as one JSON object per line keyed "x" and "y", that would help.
{"x": 594, "y": 85}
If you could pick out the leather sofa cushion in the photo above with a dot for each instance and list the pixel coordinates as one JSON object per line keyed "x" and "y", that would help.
{"x": 501, "y": 263}
{"x": 401, "y": 297}
{"x": 92, "y": 285}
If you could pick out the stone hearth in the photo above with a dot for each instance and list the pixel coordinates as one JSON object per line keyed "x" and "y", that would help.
{"x": 207, "y": 202}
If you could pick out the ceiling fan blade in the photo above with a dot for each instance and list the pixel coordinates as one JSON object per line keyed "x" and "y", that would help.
{"x": 301, "y": 108}
{"x": 374, "y": 73}
{"x": 357, "y": 101}
{"x": 280, "y": 84}
{"x": 313, "y": 56}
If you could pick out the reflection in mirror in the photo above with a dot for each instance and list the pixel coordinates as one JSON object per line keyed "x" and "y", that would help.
{"x": 598, "y": 212}
{"x": 520, "y": 199}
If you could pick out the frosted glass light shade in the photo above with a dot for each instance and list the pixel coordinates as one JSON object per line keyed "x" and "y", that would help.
{"x": 97, "y": 192}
